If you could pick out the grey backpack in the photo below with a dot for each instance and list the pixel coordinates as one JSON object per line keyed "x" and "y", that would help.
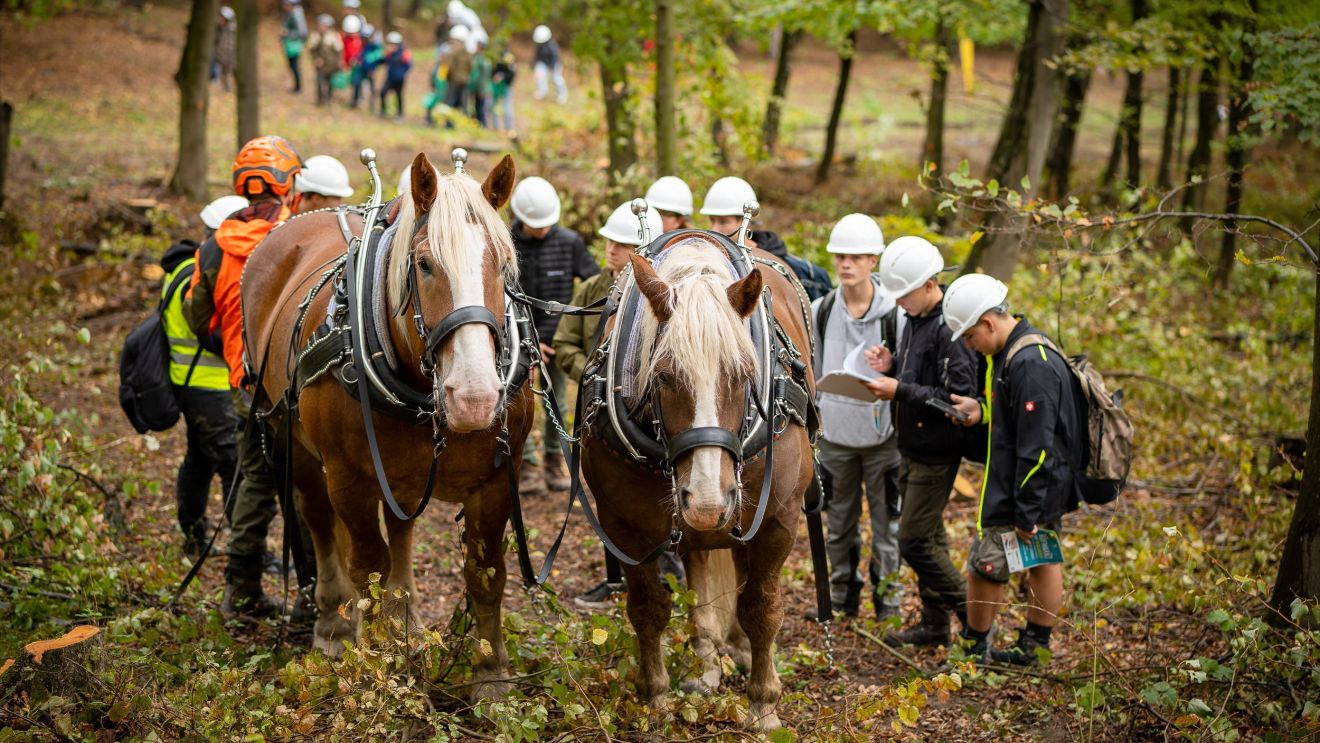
{"x": 1107, "y": 447}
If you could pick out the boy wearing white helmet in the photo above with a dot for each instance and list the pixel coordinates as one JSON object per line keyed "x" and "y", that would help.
{"x": 201, "y": 385}
{"x": 550, "y": 257}
{"x": 1028, "y": 483}
{"x": 672, "y": 198}
{"x": 724, "y": 205}
{"x": 929, "y": 365}
{"x": 546, "y": 63}
{"x": 322, "y": 183}
{"x": 225, "y": 47}
{"x": 327, "y": 50}
{"x": 857, "y": 445}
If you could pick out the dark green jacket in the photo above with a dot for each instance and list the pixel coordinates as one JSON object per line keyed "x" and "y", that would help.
{"x": 575, "y": 332}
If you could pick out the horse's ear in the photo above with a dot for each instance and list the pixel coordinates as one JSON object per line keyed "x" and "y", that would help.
{"x": 744, "y": 293}
{"x": 657, "y": 292}
{"x": 499, "y": 183}
{"x": 424, "y": 183}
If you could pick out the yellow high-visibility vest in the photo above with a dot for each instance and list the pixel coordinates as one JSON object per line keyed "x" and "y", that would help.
{"x": 208, "y": 371}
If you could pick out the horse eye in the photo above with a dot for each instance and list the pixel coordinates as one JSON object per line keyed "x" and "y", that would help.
{"x": 425, "y": 265}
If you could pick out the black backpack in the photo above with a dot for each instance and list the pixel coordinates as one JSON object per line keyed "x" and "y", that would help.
{"x": 145, "y": 391}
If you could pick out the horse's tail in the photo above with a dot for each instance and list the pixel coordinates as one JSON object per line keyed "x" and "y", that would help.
{"x": 720, "y": 589}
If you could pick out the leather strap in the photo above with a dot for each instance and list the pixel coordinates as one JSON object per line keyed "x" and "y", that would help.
{"x": 694, "y": 438}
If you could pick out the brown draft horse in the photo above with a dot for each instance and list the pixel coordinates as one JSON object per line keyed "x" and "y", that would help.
{"x": 461, "y": 254}
{"x": 699, "y": 368}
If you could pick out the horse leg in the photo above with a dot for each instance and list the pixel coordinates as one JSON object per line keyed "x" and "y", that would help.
{"x": 332, "y": 586}
{"x": 486, "y": 513}
{"x": 760, "y": 612}
{"x": 648, "y": 610}
{"x": 364, "y": 546}
{"x": 401, "y": 574}
{"x": 711, "y": 614}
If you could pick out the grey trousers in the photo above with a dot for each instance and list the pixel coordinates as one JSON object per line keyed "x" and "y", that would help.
{"x": 869, "y": 474}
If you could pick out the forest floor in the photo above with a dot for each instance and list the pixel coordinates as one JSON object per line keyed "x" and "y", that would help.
{"x": 95, "y": 126}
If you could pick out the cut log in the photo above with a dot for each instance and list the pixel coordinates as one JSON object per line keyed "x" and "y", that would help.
{"x": 54, "y": 667}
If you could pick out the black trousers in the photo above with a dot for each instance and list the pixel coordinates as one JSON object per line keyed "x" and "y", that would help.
{"x": 212, "y": 428}
{"x": 395, "y": 87}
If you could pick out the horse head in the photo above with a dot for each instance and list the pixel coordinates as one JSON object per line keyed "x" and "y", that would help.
{"x": 697, "y": 361}
{"x": 446, "y": 289}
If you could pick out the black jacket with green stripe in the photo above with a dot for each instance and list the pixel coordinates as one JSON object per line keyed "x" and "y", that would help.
{"x": 1034, "y": 430}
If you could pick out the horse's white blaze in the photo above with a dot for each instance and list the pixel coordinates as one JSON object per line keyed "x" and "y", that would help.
{"x": 706, "y": 494}
{"x": 471, "y": 376}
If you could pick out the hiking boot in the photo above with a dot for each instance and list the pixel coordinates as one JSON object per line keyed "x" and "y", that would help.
{"x": 931, "y": 631}
{"x": 1021, "y": 653}
{"x": 556, "y": 476}
{"x": 602, "y": 596}
{"x": 272, "y": 564}
{"x": 973, "y": 649}
{"x": 531, "y": 481}
{"x": 195, "y": 539}
{"x": 884, "y": 611}
{"x": 849, "y": 607}
{"x": 246, "y": 598}
{"x": 304, "y": 609}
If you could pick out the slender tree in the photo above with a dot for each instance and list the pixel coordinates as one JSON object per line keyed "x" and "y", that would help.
{"x": 666, "y": 133}
{"x": 1237, "y": 147}
{"x": 1207, "y": 125}
{"x": 247, "y": 71}
{"x": 770, "y": 124}
{"x": 1132, "y": 101}
{"x": 193, "y": 79}
{"x": 1164, "y": 173}
{"x": 1059, "y": 165}
{"x": 932, "y": 149}
{"x": 836, "y": 109}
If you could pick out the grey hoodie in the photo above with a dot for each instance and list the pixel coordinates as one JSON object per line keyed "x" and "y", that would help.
{"x": 844, "y": 421}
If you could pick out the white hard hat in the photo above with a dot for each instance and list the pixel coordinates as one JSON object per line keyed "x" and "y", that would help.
{"x": 671, "y": 194}
{"x": 458, "y": 33}
{"x": 352, "y": 4}
{"x": 394, "y": 37}
{"x": 727, "y": 196}
{"x": 325, "y": 19}
{"x": 535, "y": 203}
{"x": 352, "y": 24}
{"x": 368, "y": 30}
{"x": 622, "y": 225}
{"x": 970, "y": 297}
{"x": 541, "y": 34}
{"x": 219, "y": 210}
{"x": 455, "y": 7}
{"x": 856, "y": 234}
{"x": 906, "y": 264}
{"x": 405, "y": 180}
{"x": 226, "y": 12}
{"x": 323, "y": 175}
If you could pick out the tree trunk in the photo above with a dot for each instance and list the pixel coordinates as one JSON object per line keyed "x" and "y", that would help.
{"x": 1059, "y": 164}
{"x": 247, "y": 71}
{"x": 1052, "y": 17}
{"x": 1299, "y": 568}
{"x": 1164, "y": 174}
{"x": 6, "y": 121}
{"x": 619, "y": 125}
{"x": 415, "y": 7}
{"x": 1207, "y": 122}
{"x": 387, "y": 15}
{"x": 1110, "y": 172}
{"x": 194, "y": 81}
{"x": 836, "y": 110}
{"x": 1005, "y": 158}
{"x": 1184, "y": 101}
{"x": 770, "y": 124}
{"x": 932, "y": 150}
{"x": 1235, "y": 157}
{"x": 666, "y": 142}
{"x": 1132, "y": 111}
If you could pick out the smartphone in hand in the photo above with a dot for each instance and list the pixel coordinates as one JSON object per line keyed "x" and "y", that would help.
{"x": 948, "y": 409}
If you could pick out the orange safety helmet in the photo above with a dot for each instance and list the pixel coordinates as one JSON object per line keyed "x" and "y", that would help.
{"x": 266, "y": 165}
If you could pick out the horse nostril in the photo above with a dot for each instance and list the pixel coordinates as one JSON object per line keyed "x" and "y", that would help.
{"x": 684, "y": 496}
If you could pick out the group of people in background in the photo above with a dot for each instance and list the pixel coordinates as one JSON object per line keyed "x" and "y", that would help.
{"x": 347, "y": 53}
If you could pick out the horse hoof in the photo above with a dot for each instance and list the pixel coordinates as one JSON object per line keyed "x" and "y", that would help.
{"x": 491, "y": 691}
{"x": 697, "y": 686}
{"x": 762, "y": 721}
{"x": 658, "y": 702}
{"x": 329, "y": 647}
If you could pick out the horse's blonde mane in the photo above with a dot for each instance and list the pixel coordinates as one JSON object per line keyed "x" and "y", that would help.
{"x": 704, "y": 337}
{"x": 458, "y": 203}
